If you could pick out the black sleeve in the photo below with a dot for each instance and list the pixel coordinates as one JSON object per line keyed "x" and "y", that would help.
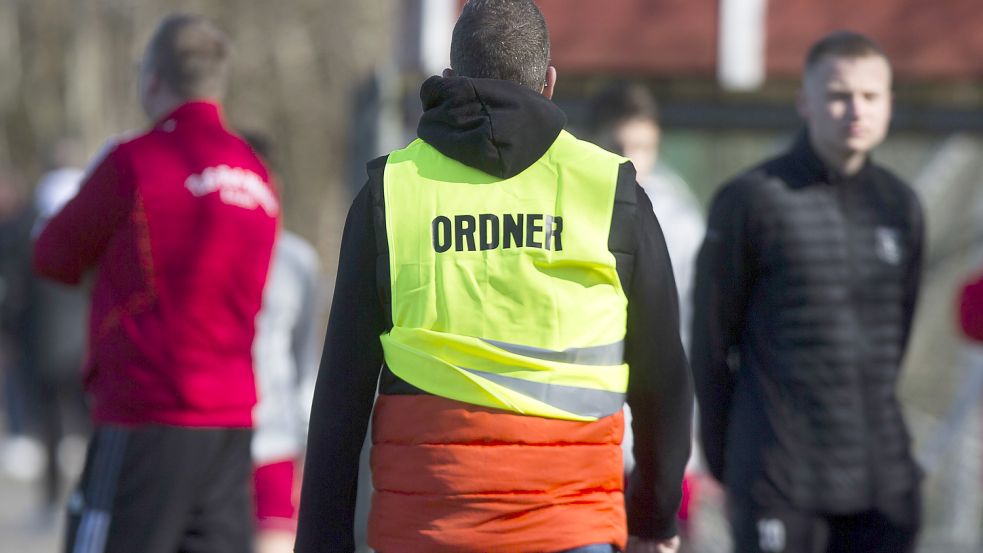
{"x": 720, "y": 296}
{"x": 660, "y": 391}
{"x": 345, "y": 391}
{"x": 913, "y": 273}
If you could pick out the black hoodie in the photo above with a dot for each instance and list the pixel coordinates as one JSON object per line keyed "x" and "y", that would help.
{"x": 501, "y": 128}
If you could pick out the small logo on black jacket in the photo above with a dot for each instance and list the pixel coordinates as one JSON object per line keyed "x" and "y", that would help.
{"x": 888, "y": 245}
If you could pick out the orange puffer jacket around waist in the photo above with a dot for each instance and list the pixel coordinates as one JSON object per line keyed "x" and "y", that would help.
{"x": 455, "y": 477}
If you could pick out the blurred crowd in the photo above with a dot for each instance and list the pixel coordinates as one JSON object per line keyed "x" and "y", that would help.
{"x": 43, "y": 338}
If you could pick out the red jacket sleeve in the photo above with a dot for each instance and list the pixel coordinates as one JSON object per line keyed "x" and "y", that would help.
{"x": 74, "y": 239}
{"x": 971, "y": 309}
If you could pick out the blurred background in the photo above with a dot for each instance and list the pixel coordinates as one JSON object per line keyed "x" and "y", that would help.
{"x": 334, "y": 83}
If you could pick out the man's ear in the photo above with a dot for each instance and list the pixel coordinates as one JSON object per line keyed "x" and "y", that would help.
{"x": 550, "y": 82}
{"x": 448, "y": 72}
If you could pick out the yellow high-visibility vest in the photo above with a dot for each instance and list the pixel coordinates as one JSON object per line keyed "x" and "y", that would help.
{"x": 504, "y": 292}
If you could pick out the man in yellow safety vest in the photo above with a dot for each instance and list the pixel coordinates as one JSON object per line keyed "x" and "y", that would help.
{"x": 513, "y": 285}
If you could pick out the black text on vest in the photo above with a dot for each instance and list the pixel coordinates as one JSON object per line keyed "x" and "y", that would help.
{"x": 488, "y": 232}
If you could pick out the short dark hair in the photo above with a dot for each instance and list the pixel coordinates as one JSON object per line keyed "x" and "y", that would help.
{"x": 618, "y": 102}
{"x": 501, "y": 39}
{"x": 190, "y": 55}
{"x": 843, "y": 44}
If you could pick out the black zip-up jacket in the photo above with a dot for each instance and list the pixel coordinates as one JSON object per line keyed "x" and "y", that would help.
{"x": 805, "y": 289}
{"x": 501, "y": 128}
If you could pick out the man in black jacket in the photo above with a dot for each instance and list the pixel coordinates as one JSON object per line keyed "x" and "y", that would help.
{"x": 805, "y": 288}
{"x": 489, "y": 117}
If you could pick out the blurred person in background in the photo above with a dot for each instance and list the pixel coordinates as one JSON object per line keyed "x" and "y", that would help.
{"x": 971, "y": 308}
{"x": 60, "y": 182}
{"x": 624, "y": 118}
{"x": 57, "y": 338}
{"x": 505, "y": 354}
{"x": 285, "y": 361}
{"x": 21, "y": 455}
{"x": 178, "y": 223}
{"x": 805, "y": 290}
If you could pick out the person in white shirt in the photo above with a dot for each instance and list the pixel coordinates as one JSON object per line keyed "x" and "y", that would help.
{"x": 624, "y": 118}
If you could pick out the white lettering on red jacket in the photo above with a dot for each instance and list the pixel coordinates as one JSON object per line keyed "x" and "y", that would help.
{"x": 236, "y": 186}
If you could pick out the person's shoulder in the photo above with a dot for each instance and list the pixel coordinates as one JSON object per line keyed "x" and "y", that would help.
{"x": 117, "y": 154}
{"x": 241, "y": 153}
{"x": 674, "y": 204}
{"x": 133, "y": 140}
{"x": 299, "y": 249}
{"x": 764, "y": 176}
{"x": 894, "y": 192}
{"x": 888, "y": 178}
{"x": 377, "y": 165}
{"x": 583, "y": 151}
{"x": 664, "y": 182}
{"x": 747, "y": 185}
{"x": 373, "y": 190}
{"x": 56, "y": 188}
{"x": 122, "y": 144}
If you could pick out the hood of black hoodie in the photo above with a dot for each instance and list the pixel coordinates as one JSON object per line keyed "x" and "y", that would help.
{"x": 499, "y": 127}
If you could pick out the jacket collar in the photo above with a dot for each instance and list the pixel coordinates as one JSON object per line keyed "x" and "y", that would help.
{"x": 193, "y": 112}
{"x": 816, "y": 170}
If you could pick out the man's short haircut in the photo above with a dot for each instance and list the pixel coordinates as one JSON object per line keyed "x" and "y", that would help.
{"x": 845, "y": 44}
{"x": 190, "y": 55}
{"x": 618, "y": 103}
{"x": 502, "y": 39}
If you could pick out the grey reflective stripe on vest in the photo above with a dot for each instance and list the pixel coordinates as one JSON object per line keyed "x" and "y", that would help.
{"x": 585, "y": 402}
{"x": 608, "y": 354}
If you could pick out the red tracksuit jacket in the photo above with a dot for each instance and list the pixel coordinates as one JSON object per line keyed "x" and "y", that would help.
{"x": 179, "y": 225}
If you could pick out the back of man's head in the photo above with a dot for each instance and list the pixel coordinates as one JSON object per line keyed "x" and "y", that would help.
{"x": 502, "y": 39}
{"x": 190, "y": 56}
{"x": 842, "y": 44}
{"x": 618, "y": 103}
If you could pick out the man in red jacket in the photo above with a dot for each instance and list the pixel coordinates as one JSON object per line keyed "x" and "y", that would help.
{"x": 178, "y": 224}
